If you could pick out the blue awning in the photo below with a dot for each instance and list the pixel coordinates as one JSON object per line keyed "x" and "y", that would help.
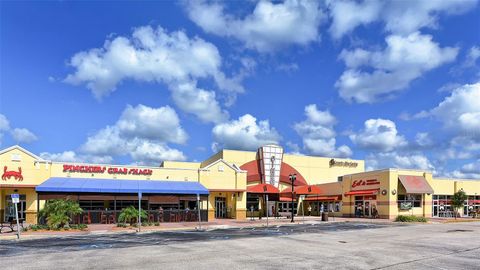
{"x": 91, "y": 185}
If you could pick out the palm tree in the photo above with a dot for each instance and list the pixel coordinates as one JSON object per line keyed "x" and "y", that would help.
{"x": 130, "y": 215}
{"x": 58, "y": 212}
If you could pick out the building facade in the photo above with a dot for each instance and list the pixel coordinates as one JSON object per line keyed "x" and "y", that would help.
{"x": 229, "y": 184}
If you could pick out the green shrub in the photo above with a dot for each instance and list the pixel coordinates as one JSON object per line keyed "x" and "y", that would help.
{"x": 130, "y": 215}
{"x": 58, "y": 212}
{"x": 122, "y": 225}
{"x": 402, "y": 218}
{"x": 36, "y": 227}
{"x": 156, "y": 223}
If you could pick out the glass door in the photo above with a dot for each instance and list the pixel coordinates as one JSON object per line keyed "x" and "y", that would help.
{"x": 10, "y": 208}
{"x": 367, "y": 208}
{"x": 220, "y": 207}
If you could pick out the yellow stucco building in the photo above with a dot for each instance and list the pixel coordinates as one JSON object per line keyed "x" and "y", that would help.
{"x": 229, "y": 184}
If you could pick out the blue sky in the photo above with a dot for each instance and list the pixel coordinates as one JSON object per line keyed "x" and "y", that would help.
{"x": 394, "y": 83}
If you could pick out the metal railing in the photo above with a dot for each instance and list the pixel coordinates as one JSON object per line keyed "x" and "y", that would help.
{"x": 111, "y": 217}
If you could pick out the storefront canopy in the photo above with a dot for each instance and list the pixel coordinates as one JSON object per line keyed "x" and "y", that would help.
{"x": 323, "y": 198}
{"x": 90, "y": 185}
{"x": 263, "y": 189}
{"x": 415, "y": 184}
{"x": 302, "y": 190}
{"x": 363, "y": 192}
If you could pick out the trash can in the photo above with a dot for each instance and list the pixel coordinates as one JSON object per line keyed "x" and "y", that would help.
{"x": 324, "y": 216}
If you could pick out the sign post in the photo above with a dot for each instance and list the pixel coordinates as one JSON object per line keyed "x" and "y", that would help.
{"x": 302, "y": 198}
{"x": 268, "y": 208}
{"x": 198, "y": 209}
{"x": 139, "y": 210}
{"x": 15, "y": 201}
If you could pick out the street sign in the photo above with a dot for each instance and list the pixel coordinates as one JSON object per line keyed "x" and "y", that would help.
{"x": 15, "y": 201}
{"x": 15, "y": 198}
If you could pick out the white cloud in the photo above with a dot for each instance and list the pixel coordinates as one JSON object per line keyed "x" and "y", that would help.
{"x": 4, "y": 123}
{"x": 71, "y": 156}
{"x": 23, "y": 135}
{"x": 141, "y": 132}
{"x": 398, "y": 160}
{"x": 270, "y": 26}
{"x": 153, "y": 55}
{"x": 199, "y": 102}
{"x": 398, "y": 17}
{"x": 472, "y": 56}
{"x": 460, "y": 112}
{"x": 405, "y": 17}
{"x": 244, "y": 134}
{"x": 467, "y": 171}
{"x": 404, "y": 59}
{"x": 347, "y": 15}
{"x": 19, "y": 135}
{"x": 379, "y": 134}
{"x": 473, "y": 167}
{"x": 423, "y": 139}
{"x": 151, "y": 123}
{"x": 318, "y": 133}
{"x": 147, "y": 152}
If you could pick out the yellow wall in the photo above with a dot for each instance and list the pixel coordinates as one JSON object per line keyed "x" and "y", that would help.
{"x": 220, "y": 176}
{"x": 315, "y": 170}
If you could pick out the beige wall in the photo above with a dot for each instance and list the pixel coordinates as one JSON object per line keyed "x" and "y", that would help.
{"x": 221, "y": 177}
{"x": 315, "y": 170}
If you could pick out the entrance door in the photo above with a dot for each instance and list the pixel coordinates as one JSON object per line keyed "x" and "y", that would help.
{"x": 220, "y": 207}
{"x": 10, "y": 208}
{"x": 367, "y": 207}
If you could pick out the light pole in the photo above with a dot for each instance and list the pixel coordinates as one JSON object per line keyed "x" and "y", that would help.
{"x": 292, "y": 177}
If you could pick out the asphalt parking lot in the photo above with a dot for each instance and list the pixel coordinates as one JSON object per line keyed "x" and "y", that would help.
{"x": 316, "y": 245}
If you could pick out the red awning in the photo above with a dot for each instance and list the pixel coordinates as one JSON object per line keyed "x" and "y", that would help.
{"x": 415, "y": 184}
{"x": 286, "y": 199}
{"x": 363, "y": 192}
{"x": 323, "y": 198}
{"x": 301, "y": 190}
{"x": 263, "y": 189}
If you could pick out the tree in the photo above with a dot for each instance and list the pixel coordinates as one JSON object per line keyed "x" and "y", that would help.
{"x": 130, "y": 215}
{"x": 58, "y": 212}
{"x": 458, "y": 200}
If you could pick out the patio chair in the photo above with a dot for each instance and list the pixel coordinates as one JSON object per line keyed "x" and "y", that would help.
{"x": 86, "y": 219}
{"x": 103, "y": 219}
{"x": 112, "y": 219}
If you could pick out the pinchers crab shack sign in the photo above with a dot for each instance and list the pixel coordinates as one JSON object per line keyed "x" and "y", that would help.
{"x": 69, "y": 168}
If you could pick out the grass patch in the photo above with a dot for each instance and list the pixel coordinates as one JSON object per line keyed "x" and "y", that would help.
{"x": 402, "y": 218}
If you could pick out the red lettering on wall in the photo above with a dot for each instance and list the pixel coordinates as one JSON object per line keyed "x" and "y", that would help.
{"x": 110, "y": 170}
{"x": 368, "y": 182}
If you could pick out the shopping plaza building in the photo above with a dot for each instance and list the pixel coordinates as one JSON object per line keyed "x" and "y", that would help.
{"x": 229, "y": 184}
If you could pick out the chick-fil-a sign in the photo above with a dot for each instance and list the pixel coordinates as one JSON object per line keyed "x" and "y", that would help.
{"x": 369, "y": 182}
{"x": 102, "y": 169}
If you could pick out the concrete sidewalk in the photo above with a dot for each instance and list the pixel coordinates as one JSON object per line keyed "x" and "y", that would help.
{"x": 211, "y": 225}
{"x": 173, "y": 226}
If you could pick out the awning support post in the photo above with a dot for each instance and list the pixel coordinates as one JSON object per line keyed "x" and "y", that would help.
{"x": 139, "y": 210}
{"x": 199, "y": 216}
{"x": 267, "y": 208}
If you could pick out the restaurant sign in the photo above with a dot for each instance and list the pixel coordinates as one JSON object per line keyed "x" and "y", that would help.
{"x": 102, "y": 169}
{"x": 369, "y": 182}
{"x": 334, "y": 163}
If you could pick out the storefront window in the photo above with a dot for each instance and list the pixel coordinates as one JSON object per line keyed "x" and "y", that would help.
{"x": 252, "y": 201}
{"x": 414, "y": 199}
